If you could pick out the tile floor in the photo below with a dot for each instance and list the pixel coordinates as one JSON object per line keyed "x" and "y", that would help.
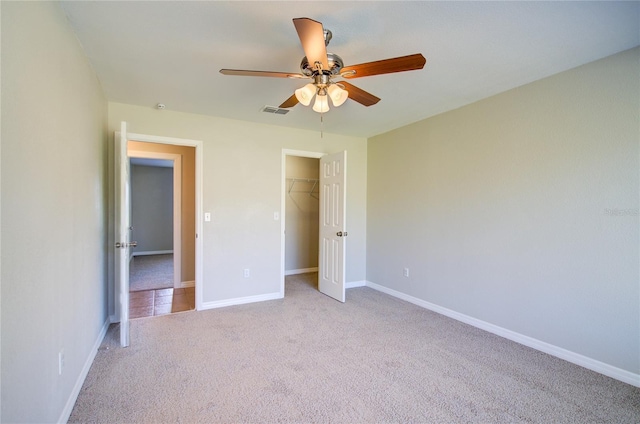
{"x": 149, "y": 303}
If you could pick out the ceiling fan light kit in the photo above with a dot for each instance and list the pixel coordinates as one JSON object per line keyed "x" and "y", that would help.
{"x": 305, "y": 94}
{"x": 322, "y": 104}
{"x": 322, "y": 67}
{"x": 320, "y": 91}
{"x": 337, "y": 94}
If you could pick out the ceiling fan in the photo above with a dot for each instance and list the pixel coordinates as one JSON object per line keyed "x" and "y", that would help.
{"x": 322, "y": 67}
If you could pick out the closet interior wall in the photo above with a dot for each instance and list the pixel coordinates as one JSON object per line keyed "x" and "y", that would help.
{"x": 302, "y": 214}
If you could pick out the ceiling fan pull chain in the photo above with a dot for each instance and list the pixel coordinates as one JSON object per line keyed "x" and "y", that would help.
{"x": 322, "y": 125}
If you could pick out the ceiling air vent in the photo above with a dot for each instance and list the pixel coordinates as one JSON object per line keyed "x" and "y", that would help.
{"x": 276, "y": 110}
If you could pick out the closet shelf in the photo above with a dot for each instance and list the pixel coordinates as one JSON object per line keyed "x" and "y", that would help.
{"x": 303, "y": 180}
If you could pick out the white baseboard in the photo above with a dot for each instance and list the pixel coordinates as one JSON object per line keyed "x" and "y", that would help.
{"x": 300, "y": 271}
{"x": 240, "y": 301}
{"x": 354, "y": 284}
{"x": 575, "y": 358}
{"x": 262, "y": 297}
{"x": 185, "y": 284}
{"x": 68, "y": 408}
{"x": 152, "y": 252}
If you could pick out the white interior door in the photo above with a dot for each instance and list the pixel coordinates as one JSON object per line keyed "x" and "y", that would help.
{"x": 122, "y": 229}
{"x": 333, "y": 178}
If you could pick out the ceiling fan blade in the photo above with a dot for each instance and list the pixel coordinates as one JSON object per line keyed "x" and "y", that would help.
{"x": 290, "y": 102}
{"x": 359, "y": 95}
{"x": 311, "y": 35}
{"x": 245, "y": 73}
{"x": 386, "y": 66}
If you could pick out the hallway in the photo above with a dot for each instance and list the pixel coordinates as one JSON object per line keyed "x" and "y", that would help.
{"x": 150, "y": 303}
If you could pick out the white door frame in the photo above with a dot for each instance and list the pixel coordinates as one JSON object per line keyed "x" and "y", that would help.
{"x": 177, "y": 206}
{"x": 285, "y": 153}
{"x": 198, "y": 145}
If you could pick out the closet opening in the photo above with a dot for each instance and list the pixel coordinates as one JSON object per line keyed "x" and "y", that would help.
{"x": 301, "y": 220}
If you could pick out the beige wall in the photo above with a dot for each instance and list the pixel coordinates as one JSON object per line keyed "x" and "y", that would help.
{"x": 188, "y": 200}
{"x": 53, "y": 223}
{"x": 302, "y": 213}
{"x": 521, "y": 210}
{"x": 242, "y": 188}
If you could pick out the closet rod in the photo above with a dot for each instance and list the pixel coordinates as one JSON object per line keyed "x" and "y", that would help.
{"x": 303, "y": 180}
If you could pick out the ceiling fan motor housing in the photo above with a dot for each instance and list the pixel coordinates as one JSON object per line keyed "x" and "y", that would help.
{"x": 333, "y": 60}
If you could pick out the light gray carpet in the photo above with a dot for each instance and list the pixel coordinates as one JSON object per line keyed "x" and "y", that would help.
{"x": 151, "y": 272}
{"x": 309, "y": 358}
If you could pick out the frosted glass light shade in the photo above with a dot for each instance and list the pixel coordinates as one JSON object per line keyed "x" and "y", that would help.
{"x": 305, "y": 94}
{"x": 322, "y": 104}
{"x": 337, "y": 94}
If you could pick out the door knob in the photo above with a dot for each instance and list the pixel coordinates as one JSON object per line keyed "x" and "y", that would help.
{"x": 339, "y": 233}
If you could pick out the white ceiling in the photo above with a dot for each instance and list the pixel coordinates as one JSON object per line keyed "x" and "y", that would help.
{"x": 170, "y": 52}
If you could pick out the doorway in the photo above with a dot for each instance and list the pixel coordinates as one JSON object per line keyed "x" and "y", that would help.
{"x": 331, "y": 220}
{"x": 302, "y": 208}
{"x": 121, "y": 218}
{"x": 162, "y": 266}
{"x": 155, "y": 266}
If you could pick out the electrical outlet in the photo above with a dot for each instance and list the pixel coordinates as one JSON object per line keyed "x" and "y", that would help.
{"x": 60, "y": 362}
{"x": 405, "y": 272}
{"x": 247, "y": 273}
